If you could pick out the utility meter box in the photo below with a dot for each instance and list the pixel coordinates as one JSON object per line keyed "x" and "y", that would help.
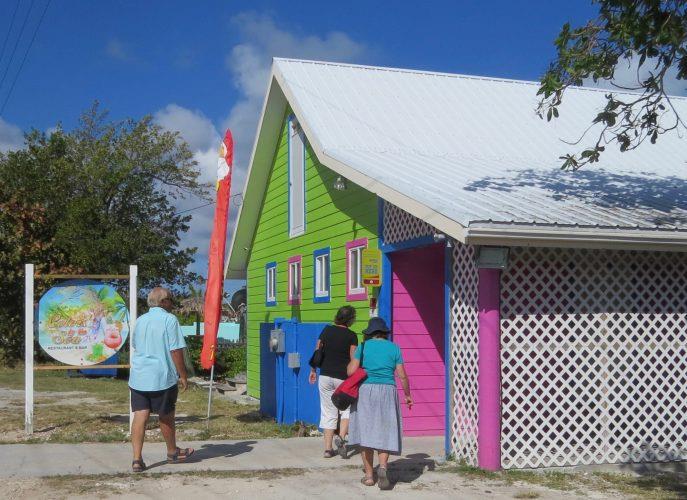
{"x": 293, "y": 360}
{"x": 277, "y": 341}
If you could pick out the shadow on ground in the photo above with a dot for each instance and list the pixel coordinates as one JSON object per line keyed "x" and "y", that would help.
{"x": 410, "y": 468}
{"x": 208, "y": 451}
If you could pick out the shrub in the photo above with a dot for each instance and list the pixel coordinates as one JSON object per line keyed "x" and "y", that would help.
{"x": 230, "y": 359}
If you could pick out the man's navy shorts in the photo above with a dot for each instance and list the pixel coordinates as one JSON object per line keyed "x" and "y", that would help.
{"x": 160, "y": 402}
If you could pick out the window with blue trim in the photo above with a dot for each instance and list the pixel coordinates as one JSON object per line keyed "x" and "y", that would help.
{"x": 271, "y": 284}
{"x": 296, "y": 178}
{"x": 321, "y": 275}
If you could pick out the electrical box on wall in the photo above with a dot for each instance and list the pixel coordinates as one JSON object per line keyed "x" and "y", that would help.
{"x": 293, "y": 360}
{"x": 277, "y": 341}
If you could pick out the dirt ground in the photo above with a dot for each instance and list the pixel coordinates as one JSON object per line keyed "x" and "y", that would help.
{"x": 340, "y": 483}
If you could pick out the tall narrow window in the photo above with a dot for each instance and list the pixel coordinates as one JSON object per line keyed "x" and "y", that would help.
{"x": 296, "y": 179}
{"x": 321, "y": 275}
{"x": 355, "y": 290}
{"x": 271, "y": 284}
{"x": 294, "y": 280}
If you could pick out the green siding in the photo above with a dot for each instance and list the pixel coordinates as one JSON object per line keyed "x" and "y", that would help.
{"x": 332, "y": 218}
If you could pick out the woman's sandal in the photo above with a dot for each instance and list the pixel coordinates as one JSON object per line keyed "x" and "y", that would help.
{"x": 383, "y": 479}
{"x": 179, "y": 455}
{"x": 329, "y": 453}
{"x": 368, "y": 481}
{"x": 138, "y": 466}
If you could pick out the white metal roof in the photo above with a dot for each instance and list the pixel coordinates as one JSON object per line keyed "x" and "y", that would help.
{"x": 469, "y": 155}
{"x": 474, "y": 150}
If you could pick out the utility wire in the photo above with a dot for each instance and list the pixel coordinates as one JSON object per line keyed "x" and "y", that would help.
{"x": 16, "y": 44}
{"x": 33, "y": 38}
{"x": 205, "y": 205}
{"x": 7, "y": 37}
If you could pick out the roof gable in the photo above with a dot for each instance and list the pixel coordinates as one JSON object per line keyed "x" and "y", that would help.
{"x": 466, "y": 152}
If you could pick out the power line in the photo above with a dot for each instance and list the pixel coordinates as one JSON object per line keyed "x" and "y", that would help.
{"x": 21, "y": 66}
{"x": 7, "y": 37}
{"x": 16, "y": 44}
{"x": 206, "y": 204}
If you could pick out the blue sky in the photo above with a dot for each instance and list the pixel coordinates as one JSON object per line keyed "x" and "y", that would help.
{"x": 199, "y": 67}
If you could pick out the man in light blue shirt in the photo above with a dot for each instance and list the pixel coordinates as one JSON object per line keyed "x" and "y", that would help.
{"x": 157, "y": 365}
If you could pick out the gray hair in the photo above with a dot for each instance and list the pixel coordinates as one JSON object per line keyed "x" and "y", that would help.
{"x": 157, "y": 295}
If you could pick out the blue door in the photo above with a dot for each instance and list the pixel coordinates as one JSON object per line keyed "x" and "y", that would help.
{"x": 285, "y": 393}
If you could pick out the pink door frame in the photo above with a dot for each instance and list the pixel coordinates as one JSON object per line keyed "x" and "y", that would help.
{"x": 418, "y": 321}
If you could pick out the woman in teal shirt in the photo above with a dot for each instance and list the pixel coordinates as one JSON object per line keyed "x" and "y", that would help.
{"x": 375, "y": 421}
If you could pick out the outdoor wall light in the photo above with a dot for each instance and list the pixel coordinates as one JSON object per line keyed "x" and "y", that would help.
{"x": 340, "y": 184}
{"x": 441, "y": 238}
{"x": 492, "y": 257}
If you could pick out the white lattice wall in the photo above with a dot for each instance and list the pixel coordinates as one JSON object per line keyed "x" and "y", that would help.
{"x": 399, "y": 225}
{"x": 464, "y": 354}
{"x": 594, "y": 357}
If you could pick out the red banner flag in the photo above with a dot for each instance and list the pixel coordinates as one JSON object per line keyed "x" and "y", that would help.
{"x": 218, "y": 241}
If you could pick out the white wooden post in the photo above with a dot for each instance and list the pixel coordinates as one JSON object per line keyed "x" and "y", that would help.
{"x": 133, "y": 313}
{"x": 28, "y": 348}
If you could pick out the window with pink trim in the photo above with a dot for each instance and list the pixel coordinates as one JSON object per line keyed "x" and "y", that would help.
{"x": 294, "y": 264}
{"x": 355, "y": 290}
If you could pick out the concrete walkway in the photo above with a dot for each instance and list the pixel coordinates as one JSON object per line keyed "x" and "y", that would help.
{"x": 38, "y": 460}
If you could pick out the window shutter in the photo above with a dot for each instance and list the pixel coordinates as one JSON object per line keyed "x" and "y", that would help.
{"x": 296, "y": 180}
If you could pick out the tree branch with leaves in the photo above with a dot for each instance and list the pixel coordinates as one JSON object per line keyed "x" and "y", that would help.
{"x": 651, "y": 32}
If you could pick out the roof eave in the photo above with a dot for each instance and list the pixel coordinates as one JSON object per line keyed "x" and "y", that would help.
{"x": 567, "y": 237}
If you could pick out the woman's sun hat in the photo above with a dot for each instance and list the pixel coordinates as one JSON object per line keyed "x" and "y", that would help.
{"x": 376, "y": 325}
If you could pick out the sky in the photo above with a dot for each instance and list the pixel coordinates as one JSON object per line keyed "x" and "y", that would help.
{"x": 200, "y": 67}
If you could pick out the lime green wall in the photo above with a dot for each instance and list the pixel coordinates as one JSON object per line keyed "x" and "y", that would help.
{"x": 332, "y": 219}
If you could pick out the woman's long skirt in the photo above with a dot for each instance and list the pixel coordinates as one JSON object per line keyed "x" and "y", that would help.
{"x": 376, "y": 419}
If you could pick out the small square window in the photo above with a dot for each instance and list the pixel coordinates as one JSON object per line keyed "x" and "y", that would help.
{"x": 321, "y": 265}
{"x": 355, "y": 290}
{"x": 294, "y": 280}
{"x": 271, "y": 284}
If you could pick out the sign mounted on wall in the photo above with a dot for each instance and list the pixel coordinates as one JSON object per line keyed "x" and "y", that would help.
{"x": 82, "y": 322}
{"x": 372, "y": 267}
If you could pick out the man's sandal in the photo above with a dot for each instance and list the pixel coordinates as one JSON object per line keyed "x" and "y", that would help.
{"x": 138, "y": 466}
{"x": 368, "y": 481}
{"x": 329, "y": 453}
{"x": 179, "y": 455}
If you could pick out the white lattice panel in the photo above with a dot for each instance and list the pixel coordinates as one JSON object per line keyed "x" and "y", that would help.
{"x": 464, "y": 354}
{"x": 399, "y": 225}
{"x": 593, "y": 357}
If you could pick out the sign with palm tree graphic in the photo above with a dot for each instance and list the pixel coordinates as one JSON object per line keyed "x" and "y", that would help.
{"x": 82, "y": 322}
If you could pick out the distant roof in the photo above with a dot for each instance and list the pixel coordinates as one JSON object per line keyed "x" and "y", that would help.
{"x": 469, "y": 154}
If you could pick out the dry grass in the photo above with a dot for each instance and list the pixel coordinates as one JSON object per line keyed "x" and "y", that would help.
{"x": 96, "y": 410}
{"x": 666, "y": 486}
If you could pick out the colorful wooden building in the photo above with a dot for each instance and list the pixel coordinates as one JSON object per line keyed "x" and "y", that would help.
{"x": 542, "y": 314}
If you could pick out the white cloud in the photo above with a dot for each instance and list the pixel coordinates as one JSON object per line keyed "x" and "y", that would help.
{"x": 116, "y": 49}
{"x": 629, "y": 75}
{"x": 194, "y": 126}
{"x": 249, "y": 65}
{"x": 11, "y": 137}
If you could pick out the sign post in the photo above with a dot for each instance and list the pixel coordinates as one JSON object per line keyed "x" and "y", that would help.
{"x": 133, "y": 314}
{"x": 28, "y": 348}
{"x": 80, "y": 323}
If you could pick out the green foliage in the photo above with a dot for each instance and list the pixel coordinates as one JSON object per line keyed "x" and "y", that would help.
{"x": 651, "y": 31}
{"x": 93, "y": 200}
{"x": 229, "y": 360}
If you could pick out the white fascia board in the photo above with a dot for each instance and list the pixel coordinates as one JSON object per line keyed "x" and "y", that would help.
{"x": 410, "y": 205}
{"x": 566, "y": 237}
{"x": 262, "y": 156}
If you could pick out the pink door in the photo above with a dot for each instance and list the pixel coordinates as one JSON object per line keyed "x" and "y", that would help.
{"x": 418, "y": 328}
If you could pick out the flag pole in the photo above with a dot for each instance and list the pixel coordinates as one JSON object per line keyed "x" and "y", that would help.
{"x": 212, "y": 375}
{"x": 213, "y": 289}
